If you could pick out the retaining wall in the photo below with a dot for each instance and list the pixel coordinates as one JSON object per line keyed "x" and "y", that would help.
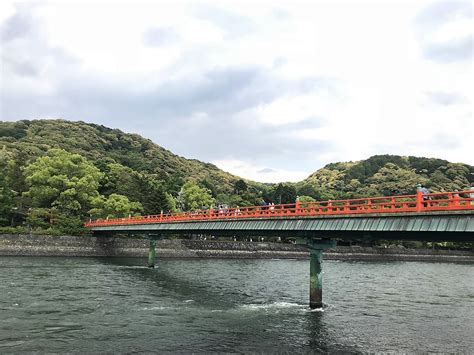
{"x": 34, "y": 245}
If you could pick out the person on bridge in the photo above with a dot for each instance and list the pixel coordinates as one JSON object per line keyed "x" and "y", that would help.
{"x": 237, "y": 211}
{"x": 425, "y": 192}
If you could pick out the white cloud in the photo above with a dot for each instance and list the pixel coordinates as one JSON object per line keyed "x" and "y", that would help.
{"x": 260, "y": 173}
{"x": 452, "y": 31}
{"x": 368, "y": 78}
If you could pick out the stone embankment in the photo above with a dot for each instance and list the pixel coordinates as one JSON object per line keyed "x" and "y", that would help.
{"x": 34, "y": 245}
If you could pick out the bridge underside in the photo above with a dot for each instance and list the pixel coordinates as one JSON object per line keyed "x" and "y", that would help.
{"x": 455, "y": 226}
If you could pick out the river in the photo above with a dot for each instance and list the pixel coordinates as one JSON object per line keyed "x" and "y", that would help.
{"x": 58, "y": 304}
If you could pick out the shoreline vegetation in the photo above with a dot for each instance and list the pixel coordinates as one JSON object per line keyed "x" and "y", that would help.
{"x": 86, "y": 246}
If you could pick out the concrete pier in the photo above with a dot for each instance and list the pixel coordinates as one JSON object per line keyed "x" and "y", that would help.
{"x": 316, "y": 279}
{"x": 316, "y": 248}
{"x": 152, "y": 253}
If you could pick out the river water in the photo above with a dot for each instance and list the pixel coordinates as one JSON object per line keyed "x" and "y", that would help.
{"x": 200, "y": 305}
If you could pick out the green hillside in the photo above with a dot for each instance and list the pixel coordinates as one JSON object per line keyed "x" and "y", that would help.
{"x": 55, "y": 174}
{"x": 131, "y": 175}
{"x": 103, "y": 145}
{"x": 383, "y": 175}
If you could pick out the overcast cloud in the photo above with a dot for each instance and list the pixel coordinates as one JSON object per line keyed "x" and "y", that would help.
{"x": 268, "y": 92}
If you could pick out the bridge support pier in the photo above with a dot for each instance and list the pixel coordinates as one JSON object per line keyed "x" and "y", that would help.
{"x": 152, "y": 253}
{"x": 316, "y": 248}
{"x": 152, "y": 250}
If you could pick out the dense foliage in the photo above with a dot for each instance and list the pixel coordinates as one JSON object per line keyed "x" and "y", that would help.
{"x": 383, "y": 175}
{"x": 54, "y": 174}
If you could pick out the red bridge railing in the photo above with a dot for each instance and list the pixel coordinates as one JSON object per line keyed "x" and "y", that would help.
{"x": 443, "y": 201}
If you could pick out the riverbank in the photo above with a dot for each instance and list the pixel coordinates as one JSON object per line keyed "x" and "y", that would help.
{"x": 35, "y": 245}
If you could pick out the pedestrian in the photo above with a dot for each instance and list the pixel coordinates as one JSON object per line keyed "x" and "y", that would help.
{"x": 456, "y": 197}
{"x": 425, "y": 192}
{"x": 471, "y": 194}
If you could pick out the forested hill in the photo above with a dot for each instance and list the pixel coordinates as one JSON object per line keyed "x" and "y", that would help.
{"x": 54, "y": 174}
{"x": 57, "y": 173}
{"x": 383, "y": 175}
{"x": 104, "y": 145}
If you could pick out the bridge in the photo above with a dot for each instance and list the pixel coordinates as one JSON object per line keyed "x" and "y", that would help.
{"x": 446, "y": 216}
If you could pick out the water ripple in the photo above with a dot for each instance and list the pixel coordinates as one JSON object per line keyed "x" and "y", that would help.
{"x": 118, "y": 305}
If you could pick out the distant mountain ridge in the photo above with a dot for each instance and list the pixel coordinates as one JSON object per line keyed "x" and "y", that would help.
{"x": 103, "y": 145}
{"x": 387, "y": 175}
{"x": 379, "y": 174}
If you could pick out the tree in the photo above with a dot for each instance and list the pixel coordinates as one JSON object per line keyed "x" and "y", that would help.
{"x": 6, "y": 193}
{"x": 439, "y": 181}
{"x": 351, "y": 187}
{"x": 240, "y": 186}
{"x": 210, "y": 186}
{"x": 458, "y": 174}
{"x": 249, "y": 198}
{"x": 305, "y": 199}
{"x": 326, "y": 182}
{"x": 308, "y": 190}
{"x": 6, "y": 203}
{"x": 63, "y": 182}
{"x": 122, "y": 180}
{"x": 367, "y": 168}
{"x": 193, "y": 197}
{"x": 114, "y": 206}
{"x": 393, "y": 180}
{"x": 174, "y": 183}
{"x": 284, "y": 193}
{"x": 17, "y": 184}
{"x": 40, "y": 218}
{"x": 155, "y": 198}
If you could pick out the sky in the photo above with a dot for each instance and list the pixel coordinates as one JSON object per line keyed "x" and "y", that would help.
{"x": 268, "y": 90}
